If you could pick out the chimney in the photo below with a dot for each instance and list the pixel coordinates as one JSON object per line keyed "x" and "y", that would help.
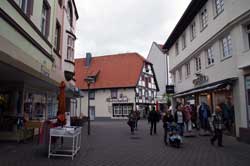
{"x": 88, "y": 59}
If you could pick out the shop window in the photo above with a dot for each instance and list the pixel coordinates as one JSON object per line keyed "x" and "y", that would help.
{"x": 210, "y": 56}
{"x": 52, "y": 107}
{"x": 114, "y": 93}
{"x": 122, "y": 110}
{"x": 219, "y": 6}
{"x": 193, "y": 31}
{"x": 92, "y": 95}
{"x": 226, "y": 46}
{"x": 204, "y": 19}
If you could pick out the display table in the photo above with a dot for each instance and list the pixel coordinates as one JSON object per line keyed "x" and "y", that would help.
{"x": 72, "y": 133}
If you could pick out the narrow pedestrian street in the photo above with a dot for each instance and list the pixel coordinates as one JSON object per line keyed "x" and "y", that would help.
{"x": 111, "y": 144}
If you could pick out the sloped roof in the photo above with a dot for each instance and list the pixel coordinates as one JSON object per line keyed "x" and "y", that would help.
{"x": 114, "y": 71}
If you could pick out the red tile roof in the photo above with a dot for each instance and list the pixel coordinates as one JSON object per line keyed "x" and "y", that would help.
{"x": 115, "y": 71}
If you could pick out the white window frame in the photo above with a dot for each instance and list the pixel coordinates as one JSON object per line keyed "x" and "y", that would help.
{"x": 210, "y": 56}
{"x": 227, "y": 47}
{"x": 176, "y": 48}
{"x": 180, "y": 75}
{"x": 219, "y": 6}
{"x": 23, "y": 4}
{"x": 188, "y": 71}
{"x": 183, "y": 41}
{"x": 247, "y": 30}
{"x": 198, "y": 64}
{"x": 204, "y": 18}
{"x": 44, "y": 19}
{"x": 70, "y": 48}
{"x": 193, "y": 31}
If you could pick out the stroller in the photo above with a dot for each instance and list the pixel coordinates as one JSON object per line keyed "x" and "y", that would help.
{"x": 174, "y": 138}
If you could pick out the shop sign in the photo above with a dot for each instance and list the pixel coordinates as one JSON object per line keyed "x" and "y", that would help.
{"x": 201, "y": 79}
{"x": 169, "y": 88}
{"x": 124, "y": 99}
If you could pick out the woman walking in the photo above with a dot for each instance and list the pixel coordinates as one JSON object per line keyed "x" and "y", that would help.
{"x": 132, "y": 118}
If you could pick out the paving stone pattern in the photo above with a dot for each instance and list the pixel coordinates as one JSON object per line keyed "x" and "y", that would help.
{"x": 111, "y": 144}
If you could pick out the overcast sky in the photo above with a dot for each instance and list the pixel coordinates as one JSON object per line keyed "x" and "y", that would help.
{"x": 117, "y": 26}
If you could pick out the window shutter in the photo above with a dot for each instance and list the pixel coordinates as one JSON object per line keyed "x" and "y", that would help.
{"x": 30, "y": 8}
{"x": 47, "y": 23}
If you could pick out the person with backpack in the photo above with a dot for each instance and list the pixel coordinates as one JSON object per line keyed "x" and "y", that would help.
{"x": 217, "y": 122}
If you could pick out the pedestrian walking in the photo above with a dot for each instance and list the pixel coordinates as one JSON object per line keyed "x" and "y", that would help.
{"x": 137, "y": 119}
{"x": 204, "y": 115}
{"x": 131, "y": 121}
{"x": 217, "y": 122}
{"x": 187, "y": 113}
{"x": 179, "y": 117}
{"x": 167, "y": 120}
{"x": 153, "y": 118}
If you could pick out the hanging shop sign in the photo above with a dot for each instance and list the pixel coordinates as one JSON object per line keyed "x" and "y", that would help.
{"x": 201, "y": 79}
{"x": 169, "y": 89}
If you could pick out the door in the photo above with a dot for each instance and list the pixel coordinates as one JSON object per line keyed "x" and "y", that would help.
{"x": 247, "y": 82}
{"x": 92, "y": 112}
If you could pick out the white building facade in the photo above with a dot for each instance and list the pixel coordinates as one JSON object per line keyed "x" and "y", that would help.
{"x": 209, "y": 56}
{"x": 124, "y": 83}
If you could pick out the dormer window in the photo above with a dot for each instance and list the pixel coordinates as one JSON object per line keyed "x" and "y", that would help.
{"x": 70, "y": 13}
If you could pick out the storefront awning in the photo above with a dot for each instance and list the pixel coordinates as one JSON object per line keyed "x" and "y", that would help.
{"x": 244, "y": 66}
{"x": 206, "y": 88}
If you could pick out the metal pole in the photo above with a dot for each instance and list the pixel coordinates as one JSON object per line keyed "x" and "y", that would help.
{"x": 88, "y": 112}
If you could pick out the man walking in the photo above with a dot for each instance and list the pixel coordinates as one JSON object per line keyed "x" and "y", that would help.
{"x": 153, "y": 118}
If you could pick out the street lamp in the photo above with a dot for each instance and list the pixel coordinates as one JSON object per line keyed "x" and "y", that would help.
{"x": 89, "y": 80}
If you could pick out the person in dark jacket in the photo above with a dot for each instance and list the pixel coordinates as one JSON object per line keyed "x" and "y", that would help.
{"x": 179, "y": 117}
{"x": 167, "y": 119}
{"x": 217, "y": 126}
{"x": 132, "y": 120}
{"x": 153, "y": 118}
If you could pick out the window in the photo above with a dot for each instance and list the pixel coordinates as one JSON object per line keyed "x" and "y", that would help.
{"x": 146, "y": 93}
{"x": 204, "y": 18}
{"x": 92, "y": 95}
{"x": 210, "y": 56}
{"x": 180, "y": 74}
{"x": 140, "y": 92}
{"x": 45, "y": 19}
{"x": 198, "y": 63}
{"x": 183, "y": 39}
{"x": 177, "y": 48}
{"x": 219, "y": 6}
{"x": 188, "y": 69}
{"x": 227, "y": 46}
{"x": 248, "y": 35}
{"x": 70, "y": 13}
{"x": 23, "y": 4}
{"x": 122, "y": 110}
{"x": 114, "y": 93}
{"x": 70, "y": 48}
{"x": 57, "y": 36}
{"x": 193, "y": 30}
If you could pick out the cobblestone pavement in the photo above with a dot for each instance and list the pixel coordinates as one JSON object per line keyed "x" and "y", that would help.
{"x": 111, "y": 144}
